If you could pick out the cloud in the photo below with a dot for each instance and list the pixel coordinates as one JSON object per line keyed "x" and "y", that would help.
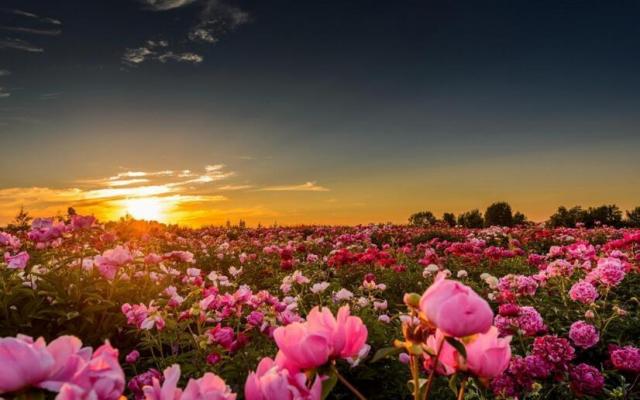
{"x": 305, "y": 187}
{"x": 35, "y": 31}
{"x": 156, "y": 50}
{"x": 50, "y": 96}
{"x": 5, "y": 72}
{"x": 234, "y": 187}
{"x": 216, "y": 20}
{"x": 164, "y": 5}
{"x": 108, "y": 196}
{"x": 19, "y": 44}
{"x": 33, "y": 16}
{"x": 4, "y": 93}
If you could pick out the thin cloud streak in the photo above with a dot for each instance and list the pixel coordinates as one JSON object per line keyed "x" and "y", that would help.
{"x": 305, "y": 187}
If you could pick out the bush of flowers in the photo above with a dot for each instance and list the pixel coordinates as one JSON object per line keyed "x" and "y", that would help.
{"x": 148, "y": 311}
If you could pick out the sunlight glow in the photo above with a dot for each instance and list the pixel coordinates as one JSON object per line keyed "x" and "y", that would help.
{"x": 149, "y": 208}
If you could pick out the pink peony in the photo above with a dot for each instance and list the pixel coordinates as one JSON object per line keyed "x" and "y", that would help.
{"x": 487, "y": 355}
{"x": 586, "y": 379}
{"x": 583, "y": 334}
{"x": 19, "y": 261}
{"x": 626, "y": 359}
{"x": 23, "y": 363}
{"x": 346, "y": 333}
{"x": 455, "y": 308}
{"x": 272, "y": 381}
{"x": 583, "y": 292}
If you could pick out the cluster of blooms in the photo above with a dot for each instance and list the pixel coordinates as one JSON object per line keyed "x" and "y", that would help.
{"x": 62, "y": 366}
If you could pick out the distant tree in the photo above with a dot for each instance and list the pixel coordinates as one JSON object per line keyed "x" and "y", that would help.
{"x": 567, "y": 217}
{"x": 71, "y": 211}
{"x": 519, "y": 218}
{"x": 449, "y": 219}
{"x": 21, "y": 222}
{"x": 422, "y": 218}
{"x": 633, "y": 218}
{"x": 498, "y": 214}
{"x": 471, "y": 219}
{"x": 609, "y": 215}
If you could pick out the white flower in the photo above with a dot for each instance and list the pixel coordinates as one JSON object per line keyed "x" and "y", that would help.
{"x": 380, "y": 305}
{"x": 343, "y": 294}
{"x": 319, "y": 287}
{"x": 384, "y": 318}
{"x": 363, "y": 302}
{"x": 462, "y": 274}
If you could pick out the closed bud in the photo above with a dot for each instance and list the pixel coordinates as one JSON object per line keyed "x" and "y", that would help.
{"x": 411, "y": 300}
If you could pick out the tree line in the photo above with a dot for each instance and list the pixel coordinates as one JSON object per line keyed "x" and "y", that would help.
{"x": 500, "y": 214}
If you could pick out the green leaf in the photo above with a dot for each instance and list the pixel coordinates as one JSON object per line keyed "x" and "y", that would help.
{"x": 457, "y": 345}
{"x": 329, "y": 384}
{"x": 385, "y": 352}
{"x": 453, "y": 383}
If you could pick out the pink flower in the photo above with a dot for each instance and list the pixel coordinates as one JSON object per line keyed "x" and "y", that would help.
{"x": 583, "y": 335}
{"x": 583, "y": 292}
{"x": 272, "y": 381}
{"x": 132, "y": 357}
{"x": 19, "y": 261}
{"x": 224, "y": 336}
{"x": 111, "y": 260}
{"x": 209, "y": 387}
{"x": 455, "y": 308}
{"x": 346, "y": 333}
{"x": 487, "y": 355}
{"x": 23, "y": 363}
{"x": 626, "y": 359}
{"x": 105, "y": 374}
{"x": 302, "y": 347}
{"x": 70, "y": 361}
{"x": 169, "y": 389}
{"x": 586, "y": 379}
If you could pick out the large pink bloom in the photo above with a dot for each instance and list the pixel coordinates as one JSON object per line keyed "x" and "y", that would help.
{"x": 111, "y": 260}
{"x": 455, "y": 308}
{"x": 209, "y": 387}
{"x": 23, "y": 363}
{"x": 105, "y": 374}
{"x": 303, "y": 347}
{"x": 70, "y": 362}
{"x": 272, "y": 381}
{"x": 487, "y": 355}
{"x": 346, "y": 333}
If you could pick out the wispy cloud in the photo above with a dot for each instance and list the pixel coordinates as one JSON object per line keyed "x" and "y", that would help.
{"x": 305, "y": 187}
{"x": 19, "y": 44}
{"x": 50, "y": 96}
{"x": 4, "y": 93}
{"x": 234, "y": 187}
{"x": 33, "y": 16}
{"x": 5, "y": 72}
{"x": 164, "y": 5}
{"x": 35, "y": 31}
{"x": 109, "y": 196}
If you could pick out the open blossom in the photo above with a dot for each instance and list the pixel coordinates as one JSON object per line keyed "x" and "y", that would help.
{"x": 557, "y": 351}
{"x": 111, "y": 260}
{"x": 583, "y": 334}
{"x": 273, "y": 381}
{"x": 210, "y": 386}
{"x": 23, "y": 363}
{"x": 62, "y": 366}
{"x": 487, "y": 355}
{"x": 583, "y": 292}
{"x": 586, "y": 379}
{"x": 343, "y": 294}
{"x": 322, "y": 337}
{"x": 455, "y": 308}
{"x": 143, "y": 317}
{"x": 626, "y": 359}
{"x": 18, "y": 261}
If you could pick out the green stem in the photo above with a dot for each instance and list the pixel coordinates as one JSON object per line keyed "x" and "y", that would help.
{"x": 433, "y": 369}
{"x": 345, "y": 382}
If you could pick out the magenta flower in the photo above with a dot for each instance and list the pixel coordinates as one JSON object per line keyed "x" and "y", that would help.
{"x": 583, "y": 334}
{"x": 626, "y": 359}
{"x": 586, "y": 379}
{"x": 583, "y": 292}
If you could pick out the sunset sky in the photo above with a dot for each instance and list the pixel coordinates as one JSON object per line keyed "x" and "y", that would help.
{"x": 337, "y": 112}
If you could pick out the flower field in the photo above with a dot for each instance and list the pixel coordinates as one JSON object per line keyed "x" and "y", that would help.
{"x": 144, "y": 310}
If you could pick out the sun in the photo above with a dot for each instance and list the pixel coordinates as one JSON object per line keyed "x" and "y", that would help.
{"x": 149, "y": 208}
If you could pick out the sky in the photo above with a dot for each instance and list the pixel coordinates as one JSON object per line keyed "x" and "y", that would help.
{"x": 329, "y": 112}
